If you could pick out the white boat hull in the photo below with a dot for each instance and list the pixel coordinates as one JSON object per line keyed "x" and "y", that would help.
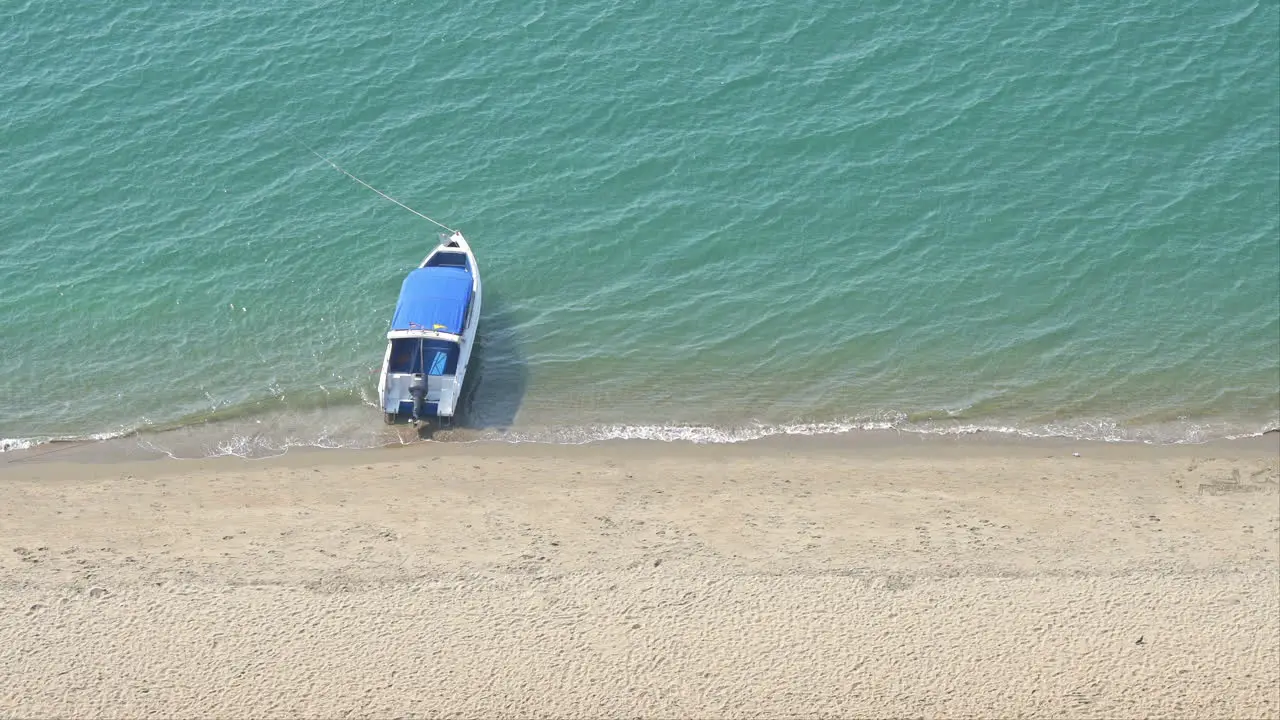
{"x": 440, "y": 355}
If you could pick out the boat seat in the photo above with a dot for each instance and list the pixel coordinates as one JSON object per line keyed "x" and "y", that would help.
{"x": 435, "y": 357}
{"x": 448, "y": 259}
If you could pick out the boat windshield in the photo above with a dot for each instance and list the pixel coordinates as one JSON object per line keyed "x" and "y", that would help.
{"x": 425, "y": 356}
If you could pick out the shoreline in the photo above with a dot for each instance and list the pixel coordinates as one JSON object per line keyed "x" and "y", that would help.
{"x": 357, "y": 426}
{"x": 138, "y": 447}
{"x": 783, "y": 577}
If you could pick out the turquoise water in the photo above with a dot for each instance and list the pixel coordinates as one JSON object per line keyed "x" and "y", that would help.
{"x": 707, "y": 221}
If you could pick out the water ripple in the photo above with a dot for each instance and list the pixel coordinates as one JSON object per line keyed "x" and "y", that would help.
{"x": 1044, "y": 219}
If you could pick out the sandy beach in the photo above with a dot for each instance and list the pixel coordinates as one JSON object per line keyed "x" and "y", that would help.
{"x": 788, "y": 578}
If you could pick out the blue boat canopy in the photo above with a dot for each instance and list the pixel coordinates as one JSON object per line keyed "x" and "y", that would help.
{"x": 433, "y": 298}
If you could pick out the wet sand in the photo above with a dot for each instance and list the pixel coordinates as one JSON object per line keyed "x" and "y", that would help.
{"x": 782, "y": 578}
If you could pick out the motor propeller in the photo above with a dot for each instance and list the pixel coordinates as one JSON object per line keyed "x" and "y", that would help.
{"x": 418, "y": 389}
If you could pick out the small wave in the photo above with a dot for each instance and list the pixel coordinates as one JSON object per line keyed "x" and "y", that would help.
{"x": 261, "y": 440}
{"x": 244, "y": 446}
{"x": 698, "y": 434}
{"x": 10, "y": 444}
{"x": 258, "y": 441}
{"x": 15, "y": 444}
{"x": 1096, "y": 431}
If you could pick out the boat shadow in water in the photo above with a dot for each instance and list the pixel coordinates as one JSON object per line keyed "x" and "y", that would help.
{"x": 496, "y": 376}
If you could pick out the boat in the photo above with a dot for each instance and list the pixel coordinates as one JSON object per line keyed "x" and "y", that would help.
{"x": 432, "y": 336}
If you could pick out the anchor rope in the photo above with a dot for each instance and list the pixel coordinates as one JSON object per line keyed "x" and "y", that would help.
{"x": 353, "y": 177}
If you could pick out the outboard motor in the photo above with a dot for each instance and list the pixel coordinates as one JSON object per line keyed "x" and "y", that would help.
{"x": 418, "y": 389}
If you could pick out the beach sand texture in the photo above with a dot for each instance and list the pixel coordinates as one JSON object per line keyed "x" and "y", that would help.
{"x": 771, "y": 579}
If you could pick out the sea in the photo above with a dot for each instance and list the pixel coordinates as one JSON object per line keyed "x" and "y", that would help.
{"x": 696, "y": 222}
